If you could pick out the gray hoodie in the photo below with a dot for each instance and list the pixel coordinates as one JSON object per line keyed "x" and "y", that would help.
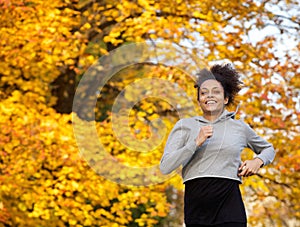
{"x": 219, "y": 155}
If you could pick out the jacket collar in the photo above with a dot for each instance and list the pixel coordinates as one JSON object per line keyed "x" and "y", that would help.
{"x": 224, "y": 116}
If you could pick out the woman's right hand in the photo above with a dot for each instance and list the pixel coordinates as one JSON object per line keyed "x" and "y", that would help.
{"x": 204, "y": 133}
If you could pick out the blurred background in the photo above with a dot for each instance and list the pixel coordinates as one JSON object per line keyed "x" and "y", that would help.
{"x": 46, "y": 47}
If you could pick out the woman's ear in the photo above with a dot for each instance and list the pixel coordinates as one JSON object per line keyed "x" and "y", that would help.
{"x": 226, "y": 100}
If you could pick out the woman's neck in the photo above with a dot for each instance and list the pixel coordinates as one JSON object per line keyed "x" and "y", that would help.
{"x": 212, "y": 116}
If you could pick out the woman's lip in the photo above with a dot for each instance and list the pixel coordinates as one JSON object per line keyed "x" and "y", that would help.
{"x": 210, "y": 102}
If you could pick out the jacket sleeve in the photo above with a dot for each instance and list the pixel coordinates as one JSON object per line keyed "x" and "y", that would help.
{"x": 264, "y": 150}
{"x": 179, "y": 148}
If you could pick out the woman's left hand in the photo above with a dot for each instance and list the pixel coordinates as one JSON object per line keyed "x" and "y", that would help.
{"x": 250, "y": 167}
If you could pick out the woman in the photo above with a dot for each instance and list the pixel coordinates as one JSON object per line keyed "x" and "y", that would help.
{"x": 208, "y": 147}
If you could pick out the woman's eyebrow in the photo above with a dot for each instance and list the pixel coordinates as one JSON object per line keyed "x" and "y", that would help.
{"x": 212, "y": 88}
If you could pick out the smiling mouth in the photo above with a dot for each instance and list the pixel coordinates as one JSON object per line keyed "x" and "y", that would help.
{"x": 210, "y": 102}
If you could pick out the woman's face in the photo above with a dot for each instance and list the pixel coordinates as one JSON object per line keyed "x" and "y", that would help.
{"x": 211, "y": 97}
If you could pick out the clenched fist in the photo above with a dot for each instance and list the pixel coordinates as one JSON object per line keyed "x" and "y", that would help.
{"x": 204, "y": 133}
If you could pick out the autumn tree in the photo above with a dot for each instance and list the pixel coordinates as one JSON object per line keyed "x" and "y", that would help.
{"x": 48, "y": 47}
{"x": 44, "y": 181}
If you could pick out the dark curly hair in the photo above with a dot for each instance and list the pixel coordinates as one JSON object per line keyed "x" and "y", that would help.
{"x": 226, "y": 75}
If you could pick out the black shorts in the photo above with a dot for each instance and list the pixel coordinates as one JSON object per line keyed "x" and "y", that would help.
{"x": 228, "y": 224}
{"x": 211, "y": 201}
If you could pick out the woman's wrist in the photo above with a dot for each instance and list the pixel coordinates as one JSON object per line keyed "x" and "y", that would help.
{"x": 198, "y": 144}
{"x": 261, "y": 162}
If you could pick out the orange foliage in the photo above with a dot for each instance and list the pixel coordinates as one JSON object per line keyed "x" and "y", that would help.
{"x": 44, "y": 181}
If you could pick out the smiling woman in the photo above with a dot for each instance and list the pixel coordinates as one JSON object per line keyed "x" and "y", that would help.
{"x": 212, "y": 99}
{"x": 209, "y": 148}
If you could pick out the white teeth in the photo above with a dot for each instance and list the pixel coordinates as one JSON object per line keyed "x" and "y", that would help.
{"x": 210, "y": 102}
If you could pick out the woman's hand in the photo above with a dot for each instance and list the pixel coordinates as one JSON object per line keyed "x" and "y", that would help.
{"x": 204, "y": 133}
{"x": 250, "y": 167}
